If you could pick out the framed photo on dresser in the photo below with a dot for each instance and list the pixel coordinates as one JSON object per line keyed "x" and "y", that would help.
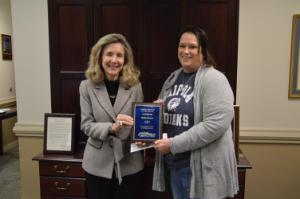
{"x": 59, "y": 133}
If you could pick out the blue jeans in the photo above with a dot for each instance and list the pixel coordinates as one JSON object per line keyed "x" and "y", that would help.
{"x": 180, "y": 182}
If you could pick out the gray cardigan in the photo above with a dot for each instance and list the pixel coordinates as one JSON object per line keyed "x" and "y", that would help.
{"x": 213, "y": 163}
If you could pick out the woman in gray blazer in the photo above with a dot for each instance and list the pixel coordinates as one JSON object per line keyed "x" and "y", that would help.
{"x": 106, "y": 98}
{"x": 199, "y": 150}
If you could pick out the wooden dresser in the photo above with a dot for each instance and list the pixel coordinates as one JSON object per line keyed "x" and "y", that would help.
{"x": 61, "y": 177}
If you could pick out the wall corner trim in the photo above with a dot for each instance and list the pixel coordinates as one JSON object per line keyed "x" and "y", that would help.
{"x": 28, "y": 130}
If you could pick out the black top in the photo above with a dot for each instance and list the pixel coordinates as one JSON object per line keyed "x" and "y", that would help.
{"x": 179, "y": 115}
{"x": 112, "y": 90}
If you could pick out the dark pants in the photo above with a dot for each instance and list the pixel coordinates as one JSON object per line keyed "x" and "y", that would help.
{"x": 103, "y": 188}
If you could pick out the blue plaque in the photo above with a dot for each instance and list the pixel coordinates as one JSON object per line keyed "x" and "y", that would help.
{"x": 147, "y": 121}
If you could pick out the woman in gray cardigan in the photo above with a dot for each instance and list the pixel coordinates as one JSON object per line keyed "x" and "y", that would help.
{"x": 106, "y": 98}
{"x": 199, "y": 150}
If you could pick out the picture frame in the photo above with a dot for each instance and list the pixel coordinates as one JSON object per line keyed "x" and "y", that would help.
{"x": 6, "y": 47}
{"x": 294, "y": 80}
{"x": 147, "y": 121}
{"x": 59, "y": 133}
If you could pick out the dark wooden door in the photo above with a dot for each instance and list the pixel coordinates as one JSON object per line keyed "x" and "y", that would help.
{"x": 151, "y": 26}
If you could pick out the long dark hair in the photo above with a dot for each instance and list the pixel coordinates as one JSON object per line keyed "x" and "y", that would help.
{"x": 202, "y": 41}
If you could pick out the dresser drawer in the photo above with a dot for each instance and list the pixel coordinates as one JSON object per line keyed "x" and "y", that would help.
{"x": 62, "y": 186}
{"x": 61, "y": 169}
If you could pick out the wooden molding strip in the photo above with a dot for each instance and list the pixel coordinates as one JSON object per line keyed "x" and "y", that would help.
{"x": 28, "y": 130}
{"x": 278, "y": 136}
{"x": 281, "y": 136}
{"x": 8, "y": 102}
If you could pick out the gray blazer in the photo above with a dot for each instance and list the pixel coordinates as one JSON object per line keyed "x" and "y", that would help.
{"x": 104, "y": 152}
{"x": 213, "y": 163}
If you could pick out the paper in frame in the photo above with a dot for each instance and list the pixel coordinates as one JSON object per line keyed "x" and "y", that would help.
{"x": 147, "y": 121}
{"x": 59, "y": 133}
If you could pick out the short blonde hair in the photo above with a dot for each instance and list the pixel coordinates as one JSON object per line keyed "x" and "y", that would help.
{"x": 129, "y": 75}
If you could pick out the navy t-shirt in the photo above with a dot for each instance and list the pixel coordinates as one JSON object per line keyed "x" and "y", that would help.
{"x": 179, "y": 115}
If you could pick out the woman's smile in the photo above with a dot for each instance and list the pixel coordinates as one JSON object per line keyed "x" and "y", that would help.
{"x": 189, "y": 52}
{"x": 113, "y": 60}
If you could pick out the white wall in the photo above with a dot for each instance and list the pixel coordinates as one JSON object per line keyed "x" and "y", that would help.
{"x": 265, "y": 28}
{"x": 262, "y": 84}
{"x": 7, "y": 79}
{"x": 263, "y": 63}
{"x": 31, "y": 58}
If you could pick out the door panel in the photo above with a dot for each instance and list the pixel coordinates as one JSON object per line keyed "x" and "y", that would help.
{"x": 162, "y": 24}
{"x": 117, "y": 16}
{"x": 73, "y": 46}
{"x": 219, "y": 19}
{"x": 70, "y": 40}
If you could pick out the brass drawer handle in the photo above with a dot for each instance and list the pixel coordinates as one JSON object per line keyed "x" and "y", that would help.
{"x": 60, "y": 187}
{"x": 64, "y": 170}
